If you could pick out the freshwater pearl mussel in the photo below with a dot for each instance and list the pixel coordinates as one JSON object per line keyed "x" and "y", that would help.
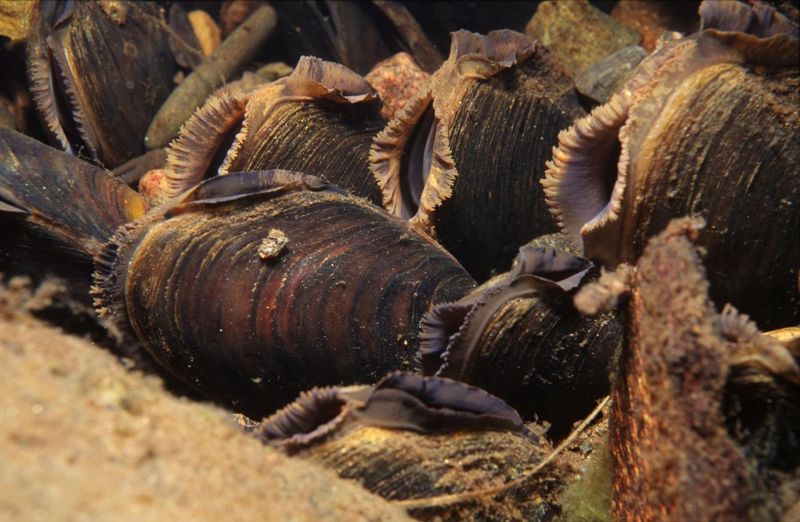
{"x": 463, "y": 158}
{"x": 520, "y": 337}
{"x": 251, "y": 284}
{"x": 320, "y": 119}
{"x": 340, "y": 302}
{"x": 98, "y": 72}
{"x": 707, "y": 125}
{"x": 252, "y": 287}
{"x": 410, "y": 438}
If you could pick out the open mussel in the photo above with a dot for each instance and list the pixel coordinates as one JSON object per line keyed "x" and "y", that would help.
{"x": 321, "y": 119}
{"x": 464, "y": 157}
{"x": 98, "y": 72}
{"x": 411, "y": 438}
{"x": 519, "y": 337}
{"x": 707, "y": 125}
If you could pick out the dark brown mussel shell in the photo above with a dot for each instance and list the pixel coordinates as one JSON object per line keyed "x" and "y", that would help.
{"x": 464, "y": 157}
{"x": 412, "y": 438}
{"x": 98, "y": 72}
{"x": 255, "y": 286}
{"x": 708, "y": 125}
{"x": 519, "y": 337}
{"x": 705, "y": 422}
{"x": 320, "y": 119}
{"x": 56, "y": 211}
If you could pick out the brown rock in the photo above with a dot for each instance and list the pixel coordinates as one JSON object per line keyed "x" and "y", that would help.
{"x": 651, "y": 18}
{"x": 16, "y": 18}
{"x": 397, "y": 79}
{"x": 578, "y": 34}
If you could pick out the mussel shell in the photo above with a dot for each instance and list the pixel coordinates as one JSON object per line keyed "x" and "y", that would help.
{"x": 519, "y": 337}
{"x": 703, "y": 158}
{"x": 356, "y": 433}
{"x": 500, "y": 139}
{"x": 706, "y": 126}
{"x": 321, "y": 137}
{"x": 321, "y": 118}
{"x": 491, "y": 114}
{"x": 56, "y": 211}
{"x": 99, "y": 72}
{"x": 340, "y": 303}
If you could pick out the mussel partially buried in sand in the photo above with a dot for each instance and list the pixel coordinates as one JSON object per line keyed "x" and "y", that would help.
{"x": 519, "y": 337}
{"x": 320, "y": 119}
{"x": 412, "y": 438}
{"x": 339, "y": 301}
{"x": 98, "y": 72}
{"x": 707, "y": 125}
{"x": 464, "y": 157}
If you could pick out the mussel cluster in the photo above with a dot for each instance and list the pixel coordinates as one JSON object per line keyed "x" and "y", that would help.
{"x": 397, "y": 298}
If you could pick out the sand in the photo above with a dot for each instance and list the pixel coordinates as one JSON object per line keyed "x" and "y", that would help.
{"x": 82, "y": 437}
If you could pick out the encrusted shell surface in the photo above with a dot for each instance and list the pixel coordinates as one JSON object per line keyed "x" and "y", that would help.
{"x": 320, "y": 119}
{"x": 339, "y": 303}
{"x": 704, "y": 422}
{"x": 519, "y": 337}
{"x": 412, "y": 438}
{"x": 98, "y": 73}
{"x": 465, "y": 155}
{"x": 708, "y": 125}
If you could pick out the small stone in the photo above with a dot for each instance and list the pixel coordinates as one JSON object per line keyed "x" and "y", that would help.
{"x": 578, "y": 34}
{"x": 16, "y": 18}
{"x": 396, "y": 79}
{"x": 599, "y": 81}
{"x": 651, "y": 18}
{"x": 206, "y": 30}
{"x": 153, "y": 186}
{"x": 272, "y": 245}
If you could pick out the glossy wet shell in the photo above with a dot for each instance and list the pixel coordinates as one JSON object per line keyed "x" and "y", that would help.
{"x": 113, "y": 73}
{"x": 463, "y": 158}
{"x": 341, "y": 302}
{"x": 412, "y": 438}
{"x": 519, "y": 337}
{"x": 59, "y": 195}
{"x": 57, "y": 211}
{"x": 544, "y": 360}
{"x": 501, "y": 137}
{"x": 727, "y": 149}
{"x": 707, "y": 126}
{"x": 330, "y": 139}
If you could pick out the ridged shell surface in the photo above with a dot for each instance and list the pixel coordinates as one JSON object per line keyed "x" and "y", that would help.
{"x": 339, "y": 303}
{"x": 330, "y": 139}
{"x": 99, "y": 71}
